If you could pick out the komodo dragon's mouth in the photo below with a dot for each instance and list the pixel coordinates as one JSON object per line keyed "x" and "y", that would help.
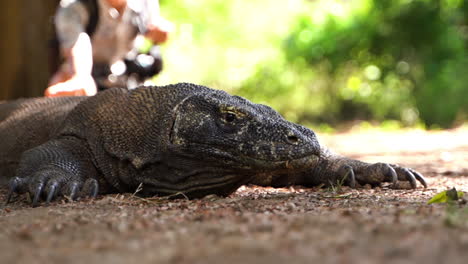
{"x": 224, "y": 183}
{"x": 249, "y": 162}
{"x": 284, "y": 165}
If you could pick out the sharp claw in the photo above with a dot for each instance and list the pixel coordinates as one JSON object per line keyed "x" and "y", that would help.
{"x": 350, "y": 177}
{"x": 419, "y": 177}
{"x": 13, "y": 188}
{"x": 52, "y": 190}
{"x": 94, "y": 188}
{"x": 73, "y": 191}
{"x": 410, "y": 177}
{"x": 10, "y": 194}
{"x": 394, "y": 176}
{"x": 37, "y": 194}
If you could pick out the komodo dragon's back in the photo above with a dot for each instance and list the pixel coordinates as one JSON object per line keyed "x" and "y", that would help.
{"x": 26, "y": 123}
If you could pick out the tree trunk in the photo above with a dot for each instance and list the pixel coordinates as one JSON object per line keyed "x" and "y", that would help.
{"x": 26, "y": 30}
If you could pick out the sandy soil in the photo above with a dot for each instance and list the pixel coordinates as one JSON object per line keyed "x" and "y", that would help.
{"x": 265, "y": 225}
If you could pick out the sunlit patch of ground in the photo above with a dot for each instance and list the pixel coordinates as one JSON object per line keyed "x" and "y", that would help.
{"x": 265, "y": 225}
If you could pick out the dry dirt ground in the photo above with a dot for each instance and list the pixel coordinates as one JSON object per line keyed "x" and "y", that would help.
{"x": 265, "y": 225}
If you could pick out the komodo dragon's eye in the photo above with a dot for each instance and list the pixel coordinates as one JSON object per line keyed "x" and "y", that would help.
{"x": 229, "y": 117}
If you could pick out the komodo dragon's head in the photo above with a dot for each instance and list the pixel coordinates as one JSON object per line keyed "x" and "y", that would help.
{"x": 217, "y": 142}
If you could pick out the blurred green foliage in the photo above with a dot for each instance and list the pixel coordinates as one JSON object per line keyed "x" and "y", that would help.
{"x": 327, "y": 61}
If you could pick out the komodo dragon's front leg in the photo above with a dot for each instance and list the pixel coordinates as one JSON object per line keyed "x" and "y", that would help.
{"x": 62, "y": 167}
{"x": 332, "y": 169}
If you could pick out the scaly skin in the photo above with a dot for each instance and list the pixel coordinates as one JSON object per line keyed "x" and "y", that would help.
{"x": 177, "y": 139}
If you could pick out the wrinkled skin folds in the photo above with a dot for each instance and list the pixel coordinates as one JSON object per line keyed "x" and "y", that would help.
{"x": 180, "y": 139}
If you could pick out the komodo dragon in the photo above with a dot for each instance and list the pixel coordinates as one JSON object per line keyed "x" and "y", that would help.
{"x": 180, "y": 139}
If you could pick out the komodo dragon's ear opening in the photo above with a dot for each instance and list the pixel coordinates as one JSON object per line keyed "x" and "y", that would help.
{"x": 173, "y": 132}
{"x": 176, "y": 120}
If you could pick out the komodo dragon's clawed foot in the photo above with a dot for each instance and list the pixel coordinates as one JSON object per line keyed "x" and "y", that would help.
{"x": 48, "y": 185}
{"x": 377, "y": 173}
{"x": 55, "y": 169}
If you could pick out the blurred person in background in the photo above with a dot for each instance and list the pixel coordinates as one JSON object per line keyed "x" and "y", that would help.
{"x": 96, "y": 43}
